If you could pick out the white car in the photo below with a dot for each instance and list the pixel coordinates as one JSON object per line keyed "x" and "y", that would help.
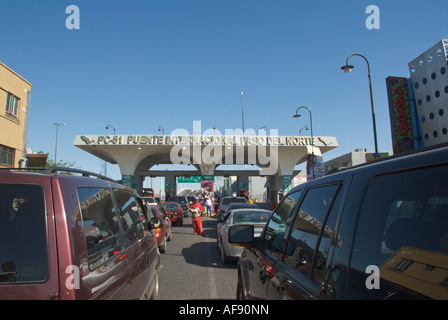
{"x": 150, "y": 200}
{"x": 255, "y": 216}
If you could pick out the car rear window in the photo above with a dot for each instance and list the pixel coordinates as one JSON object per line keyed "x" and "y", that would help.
{"x": 169, "y": 206}
{"x": 181, "y": 200}
{"x": 233, "y": 200}
{"x": 403, "y": 231}
{"x": 250, "y": 217}
{"x": 23, "y": 241}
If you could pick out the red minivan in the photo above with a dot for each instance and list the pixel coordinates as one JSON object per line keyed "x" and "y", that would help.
{"x": 65, "y": 236}
{"x": 162, "y": 225}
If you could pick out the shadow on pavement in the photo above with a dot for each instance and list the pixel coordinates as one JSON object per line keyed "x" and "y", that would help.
{"x": 205, "y": 251}
{"x": 209, "y": 228}
{"x": 205, "y": 254}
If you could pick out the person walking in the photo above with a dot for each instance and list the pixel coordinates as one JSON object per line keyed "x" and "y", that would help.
{"x": 196, "y": 210}
{"x": 208, "y": 205}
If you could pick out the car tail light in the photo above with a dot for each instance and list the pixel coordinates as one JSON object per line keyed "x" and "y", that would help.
{"x": 158, "y": 232}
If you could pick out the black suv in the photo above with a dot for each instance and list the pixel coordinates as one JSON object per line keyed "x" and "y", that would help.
{"x": 375, "y": 231}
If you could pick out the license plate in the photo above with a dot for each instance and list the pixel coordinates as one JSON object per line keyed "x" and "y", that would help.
{"x": 257, "y": 231}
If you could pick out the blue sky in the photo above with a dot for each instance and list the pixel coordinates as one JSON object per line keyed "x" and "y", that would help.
{"x": 138, "y": 65}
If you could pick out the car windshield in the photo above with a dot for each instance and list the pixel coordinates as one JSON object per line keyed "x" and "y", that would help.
{"x": 169, "y": 206}
{"x": 250, "y": 217}
{"x": 23, "y": 242}
{"x": 179, "y": 200}
{"x": 231, "y": 200}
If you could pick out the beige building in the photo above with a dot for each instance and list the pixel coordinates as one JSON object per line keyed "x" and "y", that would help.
{"x": 14, "y": 99}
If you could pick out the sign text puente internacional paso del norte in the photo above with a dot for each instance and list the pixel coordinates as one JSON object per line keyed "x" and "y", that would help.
{"x": 276, "y": 156}
{"x": 233, "y": 140}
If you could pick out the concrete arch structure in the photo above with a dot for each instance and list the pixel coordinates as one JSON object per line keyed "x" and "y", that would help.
{"x": 276, "y": 156}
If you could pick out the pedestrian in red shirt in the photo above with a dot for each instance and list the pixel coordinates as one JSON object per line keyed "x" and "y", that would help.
{"x": 196, "y": 210}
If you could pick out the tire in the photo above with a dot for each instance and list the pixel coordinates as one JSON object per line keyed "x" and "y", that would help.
{"x": 163, "y": 247}
{"x": 155, "y": 290}
{"x": 239, "y": 290}
{"x": 224, "y": 258}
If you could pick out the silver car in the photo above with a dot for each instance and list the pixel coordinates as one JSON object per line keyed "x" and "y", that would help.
{"x": 255, "y": 216}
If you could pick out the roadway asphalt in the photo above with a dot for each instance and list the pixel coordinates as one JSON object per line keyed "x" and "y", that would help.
{"x": 191, "y": 269}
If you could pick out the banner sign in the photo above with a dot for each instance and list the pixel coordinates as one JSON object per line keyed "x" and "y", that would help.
{"x": 314, "y": 164}
{"x": 400, "y": 114}
{"x": 191, "y": 179}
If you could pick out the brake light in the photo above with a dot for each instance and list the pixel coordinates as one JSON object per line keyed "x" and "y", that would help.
{"x": 157, "y": 232}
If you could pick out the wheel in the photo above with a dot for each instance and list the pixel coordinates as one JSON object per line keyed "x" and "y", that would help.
{"x": 155, "y": 290}
{"x": 162, "y": 248}
{"x": 239, "y": 290}
{"x": 224, "y": 257}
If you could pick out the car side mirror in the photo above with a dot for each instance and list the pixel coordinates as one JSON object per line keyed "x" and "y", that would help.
{"x": 154, "y": 223}
{"x": 242, "y": 235}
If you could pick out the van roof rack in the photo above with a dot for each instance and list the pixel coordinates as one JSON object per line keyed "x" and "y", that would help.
{"x": 84, "y": 173}
{"x": 53, "y": 169}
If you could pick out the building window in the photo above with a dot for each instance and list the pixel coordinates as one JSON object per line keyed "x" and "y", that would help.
{"x": 7, "y": 156}
{"x": 12, "y": 104}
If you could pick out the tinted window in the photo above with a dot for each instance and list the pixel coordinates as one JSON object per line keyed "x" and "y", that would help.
{"x": 23, "y": 244}
{"x": 250, "y": 217}
{"x": 312, "y": 230}
{"x": 162, "y": 213}
{"x": 181, "y": 200}
{"x": 101, "y": 226}
{"x": 131, "y": 216}
{"x": 233, "y": 200}
{"x": 275, "y": 230}
{"x": 169, "y": 206}
{"x": 153, "y": 212}
{"x": 403, "y": 231}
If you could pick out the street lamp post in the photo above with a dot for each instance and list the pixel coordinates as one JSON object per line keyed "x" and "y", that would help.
{"x": 311, "y": 126}
{"x": 109, "y": 126}
{"x": 56, "y": 146}
{"x": 300, "y": 131}
{"x": 242, "y": 111}
{"x": 311, "y": 122}
{"x": 161, "y": 129}
{"x": 348, "y": 68}
{"x": 24, "y": 161}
